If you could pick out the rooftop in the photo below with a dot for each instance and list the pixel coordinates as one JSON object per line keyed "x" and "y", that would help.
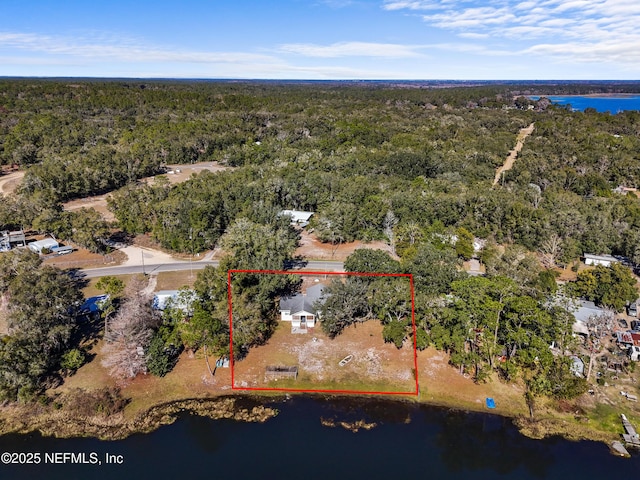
{"x": 302, "y": 301}
{"x": 297, "y": 216}
{"x": 608, "y": 258}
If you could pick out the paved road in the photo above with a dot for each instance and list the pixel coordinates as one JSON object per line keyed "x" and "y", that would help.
{"x": 182, "y": 266}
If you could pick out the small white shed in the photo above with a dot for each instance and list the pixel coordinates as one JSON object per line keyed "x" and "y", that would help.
{"x": 46, "y": 243}
{"x": 298, "y": 217}
{"x": 604, "y": 260}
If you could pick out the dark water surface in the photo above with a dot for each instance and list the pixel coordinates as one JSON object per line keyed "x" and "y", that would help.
{"x": 601, "y": 104}
{"x": 435, "y": 443}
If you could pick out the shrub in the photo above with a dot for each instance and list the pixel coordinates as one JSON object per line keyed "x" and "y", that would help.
{"x": 72, "y": 360}
{"x": 395, "y": 332}
{"x": 159, "y": 361}
{"x": 104, "y": 402}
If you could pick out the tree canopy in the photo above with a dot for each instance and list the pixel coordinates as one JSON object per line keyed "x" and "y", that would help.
{"x": 41, "y": 319}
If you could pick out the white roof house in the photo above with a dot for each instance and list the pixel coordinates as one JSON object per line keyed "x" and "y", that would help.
{"x": 40, "y": 245}
{"x": 604, "y": 260}
{"x": 180, "y": 299}
{"x": 298, "y": 217}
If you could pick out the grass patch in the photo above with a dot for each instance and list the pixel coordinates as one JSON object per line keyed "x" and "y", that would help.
{"x": 606, "y": 418}
{"x": 90, "y": 289}
{"x": 305, "y": 382}
{"x": 175, "y": 280}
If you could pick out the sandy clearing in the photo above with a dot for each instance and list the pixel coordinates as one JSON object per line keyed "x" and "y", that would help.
{"x": 313, "y": 249}
{"x": 508, "y": 164}
{"x": 99, "y": 202}
{"x": 135, "y": 256}
{"x": 186, "y": 170}
{"x": 373, "y": 360}
{"x": 10, "y": 181}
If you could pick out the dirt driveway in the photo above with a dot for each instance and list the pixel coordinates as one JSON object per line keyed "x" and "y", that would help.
{"x": 508, "y": 164}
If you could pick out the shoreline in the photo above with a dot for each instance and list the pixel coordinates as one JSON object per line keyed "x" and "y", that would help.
{"x": 252, "y": 407}
{"x": 620, "y": 96}
{"x": 603, "y": 95}
{"x": 61, "y": 424}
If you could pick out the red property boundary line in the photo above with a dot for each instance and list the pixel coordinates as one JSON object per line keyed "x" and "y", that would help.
{"x": 309, "y": 390}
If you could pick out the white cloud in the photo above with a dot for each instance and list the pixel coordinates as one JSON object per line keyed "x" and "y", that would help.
{"x": 588, "y": 53}
{"x": 352, "y": 49}
{"x": 577, "y": 30}
{"x": 125, "y": 50}
{"x": 473, "y": 35}
{"x": 471, "y": 17}
{"x": 100, "y": 54}
{"x": 410, "y": 5}
{"x": 475, "y": 48}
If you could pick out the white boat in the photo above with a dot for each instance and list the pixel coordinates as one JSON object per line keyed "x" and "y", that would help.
{"x": 345, "y": 360}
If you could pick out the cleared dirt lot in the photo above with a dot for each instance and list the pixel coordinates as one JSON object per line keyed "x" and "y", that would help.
{"x": 311, "y": 248}
{"x": 180, "y": 174}
{"x": 376, "y": 366}
{"x": 10, "y": 181}
{"x": 82, "y": 258}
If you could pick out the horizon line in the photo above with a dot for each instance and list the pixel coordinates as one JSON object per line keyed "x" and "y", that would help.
{"x": 354, "y": 80}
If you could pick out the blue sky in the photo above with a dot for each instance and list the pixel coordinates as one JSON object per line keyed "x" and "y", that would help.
{"x": 322, "y": 39}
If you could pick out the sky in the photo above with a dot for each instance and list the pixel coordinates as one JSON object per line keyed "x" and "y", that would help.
{"x": 322, "y": 39}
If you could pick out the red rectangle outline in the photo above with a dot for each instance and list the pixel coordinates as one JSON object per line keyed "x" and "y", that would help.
{"x": 303, "y": 272}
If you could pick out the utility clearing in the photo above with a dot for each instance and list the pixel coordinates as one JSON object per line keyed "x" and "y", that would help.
{"x": 508, "y": 164}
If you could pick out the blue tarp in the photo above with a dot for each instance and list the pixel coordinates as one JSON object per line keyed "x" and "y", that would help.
{"x": 490, "y": 403}
{"x": 93, "y": 304}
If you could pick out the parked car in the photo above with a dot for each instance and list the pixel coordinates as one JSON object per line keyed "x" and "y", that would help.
{"x": 635, "y": 325}
{"x": 633, "y": 310}
{"x": 623, "y": 323}
{"x": 634, "y": 353}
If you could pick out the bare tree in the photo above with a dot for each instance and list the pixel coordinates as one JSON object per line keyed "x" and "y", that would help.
{"x": 534, "y": 193}
{"x": 551, "y": 249}
{"x": 390, "y": 221}
{"x": 128, "y": 337}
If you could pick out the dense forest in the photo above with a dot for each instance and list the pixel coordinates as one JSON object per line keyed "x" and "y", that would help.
{"x": 408, "y": 164}
{"x": 351, "y": 153}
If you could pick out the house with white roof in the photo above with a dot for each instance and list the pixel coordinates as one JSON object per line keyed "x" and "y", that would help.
{"x": 44, "y": 244}
{"x": 298, "y": 217}
{"x": 179, "y": 299}
{"x": 604, "y": 260}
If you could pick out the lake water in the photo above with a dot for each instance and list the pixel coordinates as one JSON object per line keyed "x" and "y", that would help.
{"x": 601, "y": 104}
{"x": 409, "y": 442}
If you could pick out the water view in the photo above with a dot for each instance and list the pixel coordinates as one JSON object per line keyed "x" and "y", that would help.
{"x": 408, "y": 441}
{"x": 601, "y": 104}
